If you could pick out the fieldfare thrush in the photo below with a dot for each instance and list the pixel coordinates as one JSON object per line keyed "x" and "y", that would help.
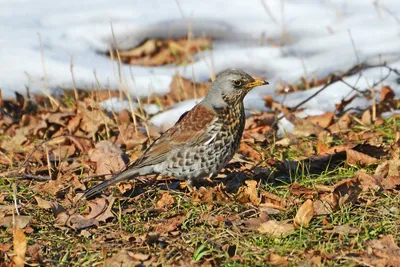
{"x": 203, "y": 140}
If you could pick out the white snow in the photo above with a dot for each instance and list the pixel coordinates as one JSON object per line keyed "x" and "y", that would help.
{"x": 41, "y": 39}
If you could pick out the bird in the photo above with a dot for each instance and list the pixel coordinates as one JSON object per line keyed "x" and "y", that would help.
{"x": 202, "y": 141}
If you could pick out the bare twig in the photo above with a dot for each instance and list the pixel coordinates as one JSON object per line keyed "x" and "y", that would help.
{"x": 334, "y": 78}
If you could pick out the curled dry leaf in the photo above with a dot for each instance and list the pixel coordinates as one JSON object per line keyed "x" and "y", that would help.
{"x": 209, "y": 195}
{"x": 367, "y": 181}
{"x": 130, "y": 136}
{"x": 165, "y": 201}
{"x": 248, "y": 193}
{"x": 346, "y": 191}
{"x": 342, "y": 125}
{"x": 100, "y": 209}
{"x": 387, "y": 94}
{"x": 275, "y": 228}
{"x": 109, "y": 158}
{"x": 355, "y": 157}
{"x": 304, "y": 214}
{"x": 20, "y": 245}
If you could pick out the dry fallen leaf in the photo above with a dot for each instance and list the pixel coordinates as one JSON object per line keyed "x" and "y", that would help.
{"x": 169, "y": 225}
{"x": 302, "y": 191}
{"x": 20, "y": 245}
{"x": 44, "y": 204}
{"x": 346, "y": 191}
{"x": 126, "y": 258}
{"x": 248, "y": 193}
{"x": 324, "y": 120}
{"x": 276, "y": 260}
{"x": 21, "y": 221}
{"x": 304, "y": 214}
{"x": 109, "y": 158}
{"x": 275, "y": 228}
{"x": 381, "y": 252}
{"x": 367, "y": 181}
{"x": 355, "y": 157}
{"x": 100, "y": 209}
{"x": 5, "y": 247}
{"x": 387, "y": 94}
{"x": 165, "y": 201}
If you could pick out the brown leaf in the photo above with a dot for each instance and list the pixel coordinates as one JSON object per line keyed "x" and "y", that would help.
{"x": 270, "y": 202}
{"x": 381, "y": 252}
{"x": 304, "y": 128}
{"x": 304, "y": 214}
{"x": 387, "y": 94}
{"x": 367, "y": 181}
{"x": 74, "y": 123}
{"x": 21, "y": 221}
{"x": 366, "y": 117}
{"x": 275, "y": 228}
{"x": 20, "y": 245}
{"x": 324, "y": 120}
{"x": 165, "y": 201}
{"x": 130, "y": 136}
{"x": 346, "y": 191}
{"x": 5, "y": 247}
{"x": 203, "y": 195}
{"x": 122, "y": 259}
{"x": 44, "y": 204}
{"x": 340, "y": 107}
{"x": 248, "y": 193}
{"x": 139, "y": 256}
{"x": 276, "y": 260}
{"x": 355, "y": 157}
{"x": 302, "y": 191}
{"x": 169, "y": 225}
{"x": 100, "y": 209}
{"x": 325, "y": 205}
{"x": 109, "y": 158}
{"x": 35, "y": 252}
{"x": 93, "y": 119}
{"x": 249, "y": 152}
{"x": 388, "y": 174}
{"x": 342, "y": 125}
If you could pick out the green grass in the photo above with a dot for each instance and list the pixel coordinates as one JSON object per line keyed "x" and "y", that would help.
{"x": 225, "y": 241}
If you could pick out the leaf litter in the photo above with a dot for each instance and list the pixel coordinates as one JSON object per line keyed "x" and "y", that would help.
{"x": 334, "y": 167}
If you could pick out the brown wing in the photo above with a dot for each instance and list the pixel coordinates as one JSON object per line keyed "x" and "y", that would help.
{"x": 191, "y": 128}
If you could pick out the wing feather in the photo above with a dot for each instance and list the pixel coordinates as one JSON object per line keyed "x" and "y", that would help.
{"x": 193, "y": 127}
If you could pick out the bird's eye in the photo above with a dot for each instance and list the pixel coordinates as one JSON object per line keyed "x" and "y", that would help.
{"x": 237, "y": 82}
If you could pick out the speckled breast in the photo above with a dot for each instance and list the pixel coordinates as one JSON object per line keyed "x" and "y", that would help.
{"x": 208, "y": 158}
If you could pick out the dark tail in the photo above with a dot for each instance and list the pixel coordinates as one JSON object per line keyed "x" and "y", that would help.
{"x": 122, "y": 176}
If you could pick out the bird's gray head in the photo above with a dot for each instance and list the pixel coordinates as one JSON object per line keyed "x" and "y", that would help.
{"x": 230, "y": 87}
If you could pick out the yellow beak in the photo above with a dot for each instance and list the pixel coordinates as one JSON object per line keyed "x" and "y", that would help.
{"x": 257, "y": 82}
